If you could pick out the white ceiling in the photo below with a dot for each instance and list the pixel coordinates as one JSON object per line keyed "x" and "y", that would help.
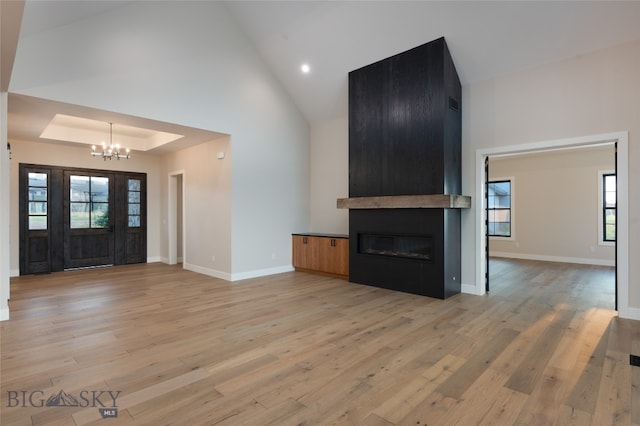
{"x": 29, "y": 117}
{"x": 486, "y": 39}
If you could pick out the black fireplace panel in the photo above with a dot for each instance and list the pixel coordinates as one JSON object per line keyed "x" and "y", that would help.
{"x": 438, "y": 276}
{"x": 404, "y": 138}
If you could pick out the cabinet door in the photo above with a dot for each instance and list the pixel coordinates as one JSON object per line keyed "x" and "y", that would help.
{"x": 300, "y": 251}
{"x": 341, "y": 256}
{"x": 334, "y": 256}
{"x": 315, "y": 252}
{"x": 325, "y": 254}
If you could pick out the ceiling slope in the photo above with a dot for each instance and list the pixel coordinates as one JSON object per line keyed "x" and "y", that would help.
{"x": 487, "y": 39}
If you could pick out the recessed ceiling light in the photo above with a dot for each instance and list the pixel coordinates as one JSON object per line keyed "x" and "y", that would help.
{"x": 305, "y": 68}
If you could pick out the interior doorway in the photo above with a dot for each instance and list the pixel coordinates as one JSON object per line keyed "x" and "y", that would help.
{"x": 547, "y": 208}
{"x": 622, "y": 223}
{"x": 176, "y": 218}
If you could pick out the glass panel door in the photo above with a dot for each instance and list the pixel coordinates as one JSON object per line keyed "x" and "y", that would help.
{"x": 89, "y": 238}
{"x": 35, "y": 221}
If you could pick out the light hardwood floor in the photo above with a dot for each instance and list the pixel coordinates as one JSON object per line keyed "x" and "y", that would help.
{"x": 545, "y": 347}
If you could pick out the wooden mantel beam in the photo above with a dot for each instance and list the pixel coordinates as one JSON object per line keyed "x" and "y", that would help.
{"x": 435, "y": 201}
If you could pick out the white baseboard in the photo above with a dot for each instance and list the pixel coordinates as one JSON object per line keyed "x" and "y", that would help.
{"x": 470, "y": 289}
{"x": 4, "y": 313}
{"x": 154, "y": 259}
{"x": 207, "y": 271}
{"x": 629, "y": 313}
{"x": 14, "y": 273}
{"x": 561, "y": 259}
{"x": 261, "y": 272}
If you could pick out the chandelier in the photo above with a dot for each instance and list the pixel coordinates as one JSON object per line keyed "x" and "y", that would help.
{"x": 110, "y": 151}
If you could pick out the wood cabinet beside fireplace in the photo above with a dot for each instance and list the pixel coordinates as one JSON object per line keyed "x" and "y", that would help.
{"x": 321, "y": 253}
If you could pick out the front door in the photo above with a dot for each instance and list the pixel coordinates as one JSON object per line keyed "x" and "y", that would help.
{"x": 75, "y": 218}
{"x": 88, "y": 219}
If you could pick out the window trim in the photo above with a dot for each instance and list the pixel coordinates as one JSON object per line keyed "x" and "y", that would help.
{"x": 511, "y": 237}
{"x": 601, "y": 228}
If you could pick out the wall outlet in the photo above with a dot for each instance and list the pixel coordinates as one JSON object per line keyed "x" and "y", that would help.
{"x": 213, "y": 258}
{"x": 273, "y": 256}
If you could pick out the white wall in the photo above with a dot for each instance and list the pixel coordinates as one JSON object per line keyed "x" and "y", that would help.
{"x": 586, "y": 95}
{"x": 207, "y": 206}
{"x": 74, "y": 156}
{"x": 5, "y": 223}
{"x": 329, "y": 176}
{"x": 555, "y": 206}
{"x": 187, "y": 63}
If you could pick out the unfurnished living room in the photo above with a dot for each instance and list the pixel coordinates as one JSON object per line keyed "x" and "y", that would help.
{"x": 311, "y": 212}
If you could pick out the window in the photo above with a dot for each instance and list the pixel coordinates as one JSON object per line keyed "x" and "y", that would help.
{"x": 499, "y": 208}
{"x": 134, "y": 203}
{"x": 89, "y": 202}
{"x": 609, "y": 203}
{"x": 37, "y": 191}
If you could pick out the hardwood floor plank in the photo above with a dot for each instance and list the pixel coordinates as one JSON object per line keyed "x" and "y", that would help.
{"x": 431, "y": 411}
{"x": 373, "y": 420}
{"x": 545, "y": 401}
{"x": 280, "y": 413}
{"x": 615, "y": 387}
{"x": 466, "y": 375}
{"x": 531, "y": 368}
{"x": 585, "y": 390}
{"x": 478, "y": 399}
{"x": 504, "y": 408}
{"x": 172, "y": 405}
{"x": 576, "y": 339}
{"x": 570, "y": 416}
{"x": 399, "y": 403}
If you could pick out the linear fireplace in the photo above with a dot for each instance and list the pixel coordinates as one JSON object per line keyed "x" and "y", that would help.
{"x": 405, "y": 173}
{"x": 405, "y": 246}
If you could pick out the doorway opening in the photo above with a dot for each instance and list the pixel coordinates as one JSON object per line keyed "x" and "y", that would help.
{"x": 622, "y": 221}
{"x": 176, "y": 218}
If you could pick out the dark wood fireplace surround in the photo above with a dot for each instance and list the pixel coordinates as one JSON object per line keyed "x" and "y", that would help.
{"x": 405, "y": 173}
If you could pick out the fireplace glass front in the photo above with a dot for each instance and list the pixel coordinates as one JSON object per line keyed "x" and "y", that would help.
{"x": 405, "y": 246}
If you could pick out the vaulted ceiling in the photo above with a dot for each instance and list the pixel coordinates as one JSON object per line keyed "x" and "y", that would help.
{"x": 487, "y": 39}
